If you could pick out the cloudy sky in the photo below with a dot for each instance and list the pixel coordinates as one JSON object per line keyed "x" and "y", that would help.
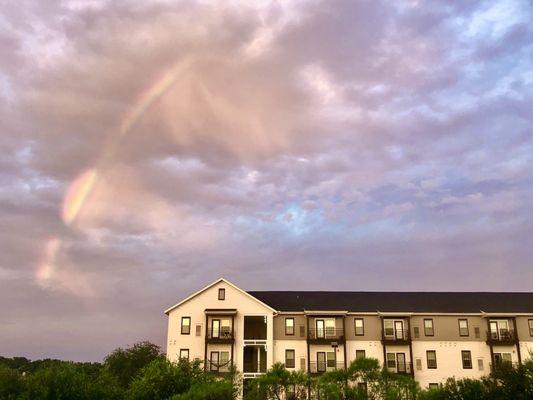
{"x": 146, "y": 150}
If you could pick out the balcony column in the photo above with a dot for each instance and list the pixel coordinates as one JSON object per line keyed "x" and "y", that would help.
{"x": 517, "y": 341}
{"x": 344, "y": 345}
{"x": 490, "y": 342}
{"x": 205, "y": 342}
{"x": 233, "y": 337}
{"x": 410, "y": 346}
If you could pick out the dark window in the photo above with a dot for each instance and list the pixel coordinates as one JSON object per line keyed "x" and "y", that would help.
{"x": 530, "y": 322}
{"x": 433, "y": 386}
{"x": 184, "y": 353}
{"x": 463, "y": 327}
{"x": 466, "y": 356}
{"x": 428, "y": 327}
{"x": 185, "y": 325}
{"x": 431, "y": 356}
{"x": 477, "y": 333}
{"x": 416, "y": 330}
{"x": 360, "y": 354}
{"x": 362, "y": 387}
{"x": 289, "y": 359}
{"x": 289, "y": 326}
{"x": 222, "y": 294}
{"x": 359, "y": 327}
{"x": 198, "y": 330}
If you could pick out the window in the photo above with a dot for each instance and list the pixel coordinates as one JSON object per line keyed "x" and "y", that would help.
{"x": 433, "y": 386}
{"x": 428, "y": 327}
{"x": 391, "y": 360}
{"x": 480, "y": 364}
{"x": 530, "y": 322}
{"x": 360, "y": 354}
{"x": 289, "y": 359}
{"x": 431, "y": 356}
{"x": 185, "y": 325}
{"x": 466, "y": 356}
{"x": 362, "y": 387}
{"x": 359, "y": 327}
{"x": 289, "y": 326}
{"x": 463, "y": 327}
{"x": 416, "y": 331}
{"x": 184, "y": 353}
{"x": 198, "y": 330}
{"x": 222, "y": 294}
{"x": 331, "y": 360}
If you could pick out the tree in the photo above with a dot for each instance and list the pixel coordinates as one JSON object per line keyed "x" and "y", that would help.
{"x": 12, "y": 384}
{"x": 161, "y": 379}
{"x": 125, "y": 364}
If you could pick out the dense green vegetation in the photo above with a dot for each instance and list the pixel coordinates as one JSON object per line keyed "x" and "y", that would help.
{"x": 141, "y": 372}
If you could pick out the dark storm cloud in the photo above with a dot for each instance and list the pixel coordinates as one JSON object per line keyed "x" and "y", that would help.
{"x": 366, "y": 144}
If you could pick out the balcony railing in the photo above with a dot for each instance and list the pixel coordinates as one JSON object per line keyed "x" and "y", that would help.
{"x": 253, "y": 367}
{"x": 501, "y": 336}
{"x": 501, "y": 366}
{"x": 400, "y": 367}
{"x": 218, "y": 367}
{"x": 221, "y": 334}
{"x": 325, "y": 334}
{"x": 396, "y": 335}
{"x": 319, "y": 367}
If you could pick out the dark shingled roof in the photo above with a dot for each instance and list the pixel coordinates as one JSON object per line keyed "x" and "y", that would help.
{"x": 431, "y": 302}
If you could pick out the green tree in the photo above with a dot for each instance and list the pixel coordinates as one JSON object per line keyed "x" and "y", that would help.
{"x": 125, "y": 364}
{"x": 161, "y": 379}
{"x": 12, "y": 383}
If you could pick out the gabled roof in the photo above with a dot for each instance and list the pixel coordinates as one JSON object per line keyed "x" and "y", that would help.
{"x": 416, "y": 302}
{"x": 210, "y": 286}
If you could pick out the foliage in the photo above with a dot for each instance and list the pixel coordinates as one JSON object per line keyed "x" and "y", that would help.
{"x": 149, "y": 376}
{"x": 125, "y": 364}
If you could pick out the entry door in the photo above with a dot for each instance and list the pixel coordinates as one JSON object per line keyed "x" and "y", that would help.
{"x": 398, "y": 327}
{"x": 320, "y": 361}
{"x": 494, "y": 334}
{"x": 330, "y": 328}
{"x": 215, "y": 328}
{"x": 225, "y": 328}
{"x": 214, "y": 361}
{"x": 320, "y": 328}
{"x": 400, "y": 357}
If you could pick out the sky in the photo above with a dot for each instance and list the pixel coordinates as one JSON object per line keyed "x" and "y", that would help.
{"x": 149, "y": 148}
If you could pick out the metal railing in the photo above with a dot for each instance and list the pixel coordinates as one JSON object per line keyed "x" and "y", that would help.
{"x": 220, "y": 333}
{"x": 400, "y": 367}
{"x": 219, "y": 367}
{"x": 325, "y": 333}
{"x": 253, "y": 367}
{"x": 500, "y": 366}
{"x": 501, "y": 335}
{"x": 396, "y": 334}
{"x": 318, "y": 367}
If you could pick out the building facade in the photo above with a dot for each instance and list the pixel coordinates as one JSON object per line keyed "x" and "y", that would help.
{"x": 429, "y": 335}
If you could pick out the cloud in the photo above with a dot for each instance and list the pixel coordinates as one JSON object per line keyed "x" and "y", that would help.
{"x": 147, "y": 149}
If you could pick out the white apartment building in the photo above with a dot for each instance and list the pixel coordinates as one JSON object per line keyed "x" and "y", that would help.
{"x": 429, "y": 335}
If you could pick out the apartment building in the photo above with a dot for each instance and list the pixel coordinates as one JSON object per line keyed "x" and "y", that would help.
{"x": 429, "y": 335}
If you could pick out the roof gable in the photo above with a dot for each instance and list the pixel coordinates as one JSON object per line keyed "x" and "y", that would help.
{"x": 168, "y": 310}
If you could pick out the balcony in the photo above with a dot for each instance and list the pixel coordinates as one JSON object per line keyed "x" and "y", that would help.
{"x": 503, "y": 337}
{"x": 219, "y": 335}
{"x": 502, "y": 366}
{"x": 317, "y": 368}
{"x": 396, "y": 336}
{"x": 254, "y": 368}
{"x": 325, "y": 336}
{"x": 403, "y": 368}
{"x": 218, "y": 368}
